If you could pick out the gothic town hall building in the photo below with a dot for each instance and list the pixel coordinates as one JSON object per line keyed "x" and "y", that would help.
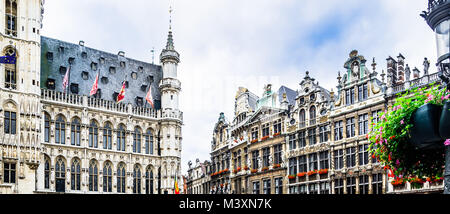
{"x": 54, "y": 141}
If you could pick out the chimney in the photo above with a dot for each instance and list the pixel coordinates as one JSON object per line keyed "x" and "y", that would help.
{"x": 392, "y": 70}
{"x": 121, "y": 53}
{"x": 81, "y": 43}
{"x": 401, "y": 68}
{"x": 416, "y": 73}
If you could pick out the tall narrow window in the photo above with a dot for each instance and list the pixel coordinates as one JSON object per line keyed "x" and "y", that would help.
{"x": 351, "y": 186}
{"x": 363, "y": 124}
{"x": 338, "y": 130}
{"x": 137, "y": 140}
{"x": 324, "y": 163}
{"x": 149, "y": 181}
{"x": 11, "y": 18}
{"x": 277, "y": 154}
{"x": 302, "y": 119}
{"x": 107, "y": 178}
{"x": 292, "y": 142}
{"x": 351, "y": 157}
{"x": 256, "y": 188}
{"x": 137, "y": 180}
{"x": 60, "y": 130}
{"x": 293, "y": 166}
{"x": 107, "y": 137}
{"x": 363, "y": 154}
{"x": 93, "y": 135}
{"x": 377, "y": 184}
{"x": 10, "y": 122}
{"x": 60, "y": 175}
{"x": 75, "y": 132}
{"x": 313, "y": 162}
{"x": 339, "y": 159}
{"x": 302, "y": 139}
{"x": 350, "y": 127}
{"x": 323, "y": 132}
{"x": 149, "y": 142}
{"x": 47, "y": 174}
{"x": 339, "y": 186}
{"x": 265, "y": 130}
{"x": 302, "y": 164}
{"x": 278, "y": 186}
{"x": 266, "y": 154}
{"x": 312, "y": 116}
{"x": 121, "y": 178}
{"x": 267, "y": 187}
{"x": 255, "y": 156}
{"x": 277, "y": 127}
{"x": 9, "y": 173}
{"x": 46, "y": 128}
{"x": 121, "y": 138}
{"x": 312, "y": 137}
{"x": 364, "y": 184}
{"x": 93, "y": 176}
{"x": 75, "y": 172}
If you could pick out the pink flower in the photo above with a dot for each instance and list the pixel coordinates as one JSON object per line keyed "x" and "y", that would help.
{"x": 397, "y": 162}
{"x": 447, "y": 142}
{"x": 430, "y": 98}
{"x": 446, "y": 97}
{"x": 402, "y": 122}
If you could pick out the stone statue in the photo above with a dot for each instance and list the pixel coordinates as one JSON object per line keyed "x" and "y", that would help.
{"x": 345, "y": 78}
{"x": 355, "y": 69}
{"x": 408, "y": 73}
{"x": 426, "y": 65}
{"x": 270, "y": 160}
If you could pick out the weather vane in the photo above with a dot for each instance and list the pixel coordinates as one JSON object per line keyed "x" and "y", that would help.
{"x": 170, "y": 17}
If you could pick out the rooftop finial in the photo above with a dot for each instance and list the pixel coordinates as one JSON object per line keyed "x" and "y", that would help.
{"x": 170, "y": 17}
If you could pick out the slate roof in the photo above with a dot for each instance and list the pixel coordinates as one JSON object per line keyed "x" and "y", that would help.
{"x": 290, "y": 94}
{"x": 86, "y": 62}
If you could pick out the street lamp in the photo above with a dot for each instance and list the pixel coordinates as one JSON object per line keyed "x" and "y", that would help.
{"x": 438, "y": 18}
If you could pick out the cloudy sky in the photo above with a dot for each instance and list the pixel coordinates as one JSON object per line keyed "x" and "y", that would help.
{"x": 225, "y": 44}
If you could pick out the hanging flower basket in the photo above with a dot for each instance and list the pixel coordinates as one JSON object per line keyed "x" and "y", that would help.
{"x": 238, "y": 169}
{"x": 310, "y": 173}
{"x": 398, "y": 182}
{"x": 245, "y": 168}
{"x": 241, "y": 138}
{"x": 444, "y": 123}
{"x": 391, "y": 139}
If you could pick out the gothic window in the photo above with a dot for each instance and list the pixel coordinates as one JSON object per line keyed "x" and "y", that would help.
{"x": 149, "y": 142}
{"x": 10, "y": 71}
{"x": 339, "y": 159}
{"x": 107, "y": 177}
{"x": 313, "y": 162}
{"x": 324, "y": 157}
{"x": 75, "y": 172}
{"x": 137, "y": 136}
{"x": 324, "y": 188}
{"x": 93, "y": 176}
{"x": 137, "y": 180}
{"x": 60, "y": 175}
{"x": 149, "y": 181}
{"x": 9, "y": 173}
{"x": 312, "y": 116}
{"x": 93, "y": 135}
{"x": 10, "y": 122}
{"x": 60, "y": 130}
{"x": 302, "y": 119}
{"x": 350, "y": 130}
{"x": 121, "y": 138}
{"x": 11, "y": 18}
{"x": 47, "y": 173}
{"x": 75, "y": 132}
{"x": 363, "y": 124}
{"x": 107, "y": 137}
{"x": 363, "y": 154}
{"x": 338, "y": 130}
{"x": 121, "y": 178}
{"x": 350, "y": 96}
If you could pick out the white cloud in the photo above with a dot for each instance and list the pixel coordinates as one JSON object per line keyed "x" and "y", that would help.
{"x": 225, "y": 44}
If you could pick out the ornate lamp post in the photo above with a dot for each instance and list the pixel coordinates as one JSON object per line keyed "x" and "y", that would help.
{"x": 438, "y": 18}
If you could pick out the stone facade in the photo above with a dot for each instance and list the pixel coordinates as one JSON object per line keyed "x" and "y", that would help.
{"x": 321, "y": 146}
{"x": 65, "y": 141}
{"x": 198, "y": 178}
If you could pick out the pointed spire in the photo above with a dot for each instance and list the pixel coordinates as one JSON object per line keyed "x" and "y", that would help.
{"x": 169, "y": 45}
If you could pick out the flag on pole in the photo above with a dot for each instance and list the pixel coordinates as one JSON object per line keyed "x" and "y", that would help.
{"x": 95, "y": 86}
{"x": 149, "y": 97}
{"x": 66, "y": 80}
{"x": 177, "y": 190}
{"x": 121, "y": 95}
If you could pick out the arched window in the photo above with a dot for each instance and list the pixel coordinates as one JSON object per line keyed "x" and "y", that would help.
{"x": 60, "y": 175}
{"x": 10, "y": 69}
{"x": 312, "y": 115}
{"x": 137, "y": 180}
{"x": 47, "y": 128}
{"x": 60, "y": 130}
{"x": 121, "y": 178}
{"x": 121, "y": 138}
{"x": 149, "y": 181}
{"x": 107, "y": 177}
{"x": 302, "y": 118}
{"x": 149, "y": 142}
{"x": 11, "y": 17}
{"x": 75, "y": 172}
{"x": 75, "y": 131}
{"x": 93, "y": 176}
{"x": 107, "y": 136}
{"x": 47, "y": 174}
{"x": 93, "y": 135}
{"x": 137, "y": 140}
{"x": 10, "y": 121}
